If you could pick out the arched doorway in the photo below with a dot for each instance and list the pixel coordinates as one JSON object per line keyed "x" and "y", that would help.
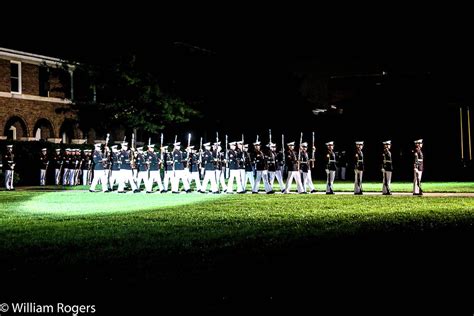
{"x": 69, "y": 130}
{"x": 43, "y": 129}
{"x": 15, "y": 128}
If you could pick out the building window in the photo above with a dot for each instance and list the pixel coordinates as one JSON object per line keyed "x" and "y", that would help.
{"x": 44, "y": 81}
{"x": 15, "y": 76}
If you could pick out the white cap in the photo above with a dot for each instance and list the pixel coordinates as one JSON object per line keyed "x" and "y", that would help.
{"x": 291, "y": 144}
{"x": 305, "y": 144}
{"x": 96, "y": 145}
{"x": 151, "y": 146}
{"x": 124, "y": 144}
{"x": 140, "y": 148}
{"x": 190, "y": 147}
{"x": 208, "y": 144}
{"x": 44, "y": 149}
{"x": 9, "y": 146}
{"x": 256, "y": 143}
{"x": 232, "y": 143}
{"x": 387, "y": 142}
{"x": 177, "y": 144}
{"x": 331, "y": 143}
{"x": 114, "y": 147}
{"x": 271, "y": 144}
{"x": 419, "y": 141}
{"x": 58, "y": 149}
{"x": 359, "y": 143}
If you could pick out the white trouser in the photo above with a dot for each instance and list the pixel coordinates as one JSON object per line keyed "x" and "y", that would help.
{"x": 102, "y": 176}
{"x": 278, "y": 175}
{"x": 343, "y": 173}
{"x": 234, "y": 173}
{"x": 294, "y": 175}
{"x": 358, "y": 181}
{"x": 155, "y": 176}
{"x": 417, "y": 182}
{"x": 179, "y": 175}
{"x": 65, "y": 176}
{"x": 209, "y": 175}
{"x": 72, "y": 176}
{"x": 220, "y": 179}
{"x": 387, "y": 179}
{"x": 77, "y": 176}
{"x": 194, "y": 176}
{"x": 307, "y": 181}
{"x": 9, "y": 179}
{"x": 114, "y": 178}
{"x": 126, "y": 175}
{"x": 85, "y": 176}
{"x": 43, "y": 177}
{"x": 168, "y": 178}
{"x": 261, "y": 174}
{"x": 142, "y": 176}
{"x": 57, "y": 176}
{"x": 331, "y": 174}
{"x": 249, "y": 178}
{"x": 242, "y": 179}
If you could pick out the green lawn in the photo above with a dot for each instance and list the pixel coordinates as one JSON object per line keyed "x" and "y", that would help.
{"x": 78, "y": 235}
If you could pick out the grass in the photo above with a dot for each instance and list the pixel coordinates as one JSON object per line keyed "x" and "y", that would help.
{"x": 176, "y": 239}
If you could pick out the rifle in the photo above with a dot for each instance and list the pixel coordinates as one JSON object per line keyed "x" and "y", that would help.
{"x": 161, "y": 148}
{"x": 227, "y": 171}
{"x": 243, "y": 153}
{"x": 270, "y": 134}
{"x": 299, "y": 151}
{"x": 132, "y": 152}
{"x": 149, "y": 141}
{"x": 200, "y": 153}
{"x": 313, "y": 154}
{"x": 282, "y": 143}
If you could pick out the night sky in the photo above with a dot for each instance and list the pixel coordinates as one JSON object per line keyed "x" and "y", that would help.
{"x": 244, "y": 67}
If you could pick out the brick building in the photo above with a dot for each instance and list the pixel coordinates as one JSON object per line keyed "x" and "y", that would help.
{"x": 36, "y": 94}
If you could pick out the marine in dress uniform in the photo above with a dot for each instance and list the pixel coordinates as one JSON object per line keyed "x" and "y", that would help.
{"x": 115, "y": 162}
{"x": 417, "y": 167}
{"x": 261, "y": 167}
{"x": 179, "y": 160}
{"x": 143, "y": 165}
{"x": 234, "y": 167}
{"x": 279, "y": 161}
{"x": 66, "y": 166}
{"x": 58, "y": 165}
{"x": 126, "y": 174}
{"x": 168, "y": 168}
{"x": 193, "y": 167}
{"x": 219, "y": 159}
{"x": 99, "y": 161}
{"x": 291, "y": 160}
{"x": 305, "y": 169}
{"x": 8, "y": 167}
{"x": 44, "y": 163}
{"x": 249, "y": 169}
{"x": 330, "y": 167}
{"x": 208, "y": 161}
{"x": 155, "y": 175}
{"x": 241, "y": 160}
{"x": 387, "y": 167}
{"x": 358, "y": 167}
{"x": 86, "y": 167}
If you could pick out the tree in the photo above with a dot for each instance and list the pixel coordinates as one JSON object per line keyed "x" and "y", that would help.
{"x": 122, "y": 94}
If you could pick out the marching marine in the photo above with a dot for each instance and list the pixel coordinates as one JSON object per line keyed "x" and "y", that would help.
{"x": 358, "y": 168}
{"x": 8, "y": 167}
{"x": 209, "y": 169}
{"x": 305, "y": 169}
{"x": 330, "y": 167}
{"x": 179, "y": 159}
{"x": 234, "y": 169}
{"x": 387, "y": 168}
{"x": 417, "y": 167}
{"x": 44, "y": 162}
{"x": 291, "y": 160}
{"x": 58, "y": 164}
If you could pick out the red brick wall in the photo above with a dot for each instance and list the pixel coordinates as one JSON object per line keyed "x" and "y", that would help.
{"x": 58, "y": 83}
{"x": 4, "y": 75}
{"x": 31, "y": 111}
{"x": 30, "y": 79}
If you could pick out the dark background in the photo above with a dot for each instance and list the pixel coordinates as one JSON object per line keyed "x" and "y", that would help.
{"x": 248, "y": 69}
